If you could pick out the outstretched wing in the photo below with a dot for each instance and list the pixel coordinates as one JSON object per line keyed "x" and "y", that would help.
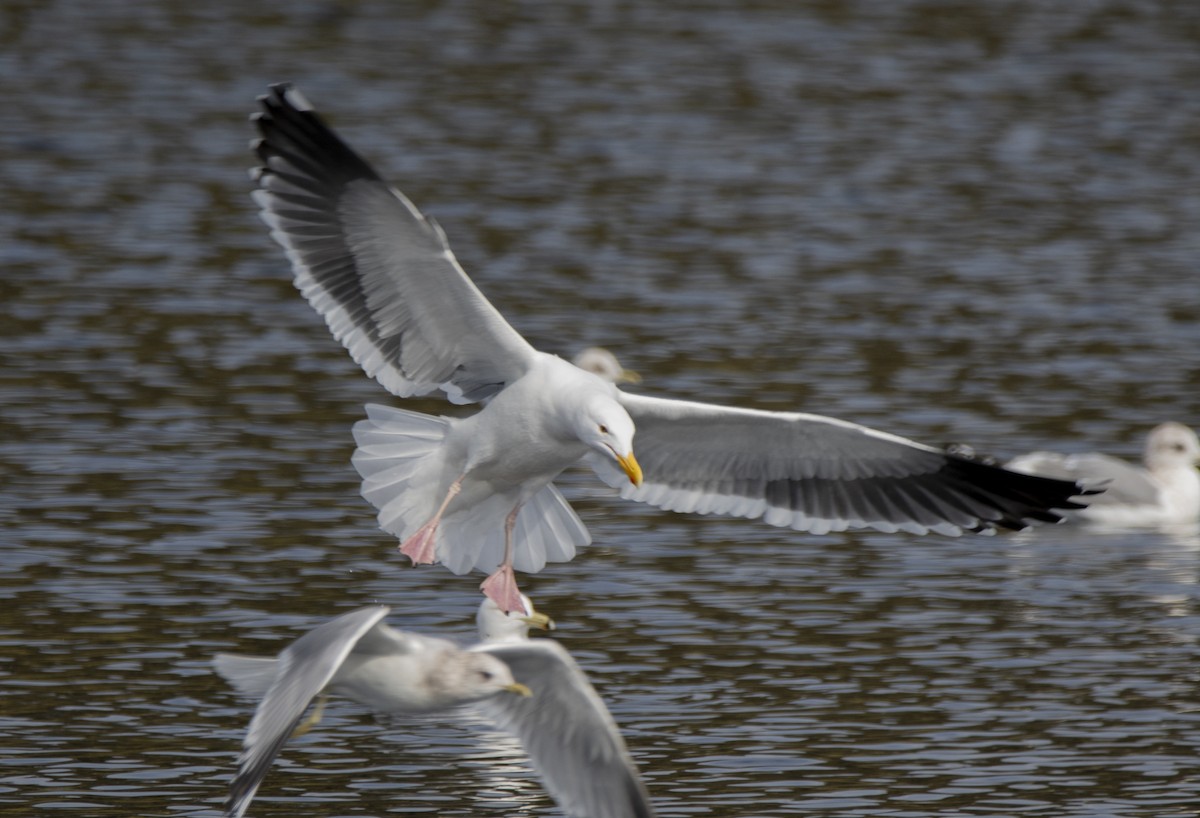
{"x": 380, "y": 273}
{"x": 302, "y": 671}
{"x": 819, "y": 474}
{"x": 570, "y": 736}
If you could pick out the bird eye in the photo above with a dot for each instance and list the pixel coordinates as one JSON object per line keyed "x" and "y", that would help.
{"x": 486, "y": 675}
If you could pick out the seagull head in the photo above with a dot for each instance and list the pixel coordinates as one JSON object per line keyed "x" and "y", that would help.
{"x": 497, "y": 626}
{"x": 1172, "y": 444}
{"x": 606, "y": 427}
{"x": 478, "y": 675}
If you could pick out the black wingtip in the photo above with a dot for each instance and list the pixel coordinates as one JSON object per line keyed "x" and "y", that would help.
{"x": 276, "y": 92}
{"x": 1021, "y": 499}
{"x": 291, "y": 129}
{"x": 284, "y": 96}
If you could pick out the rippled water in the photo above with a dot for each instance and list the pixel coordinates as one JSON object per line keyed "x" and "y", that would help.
{"x": 959, "y": 222}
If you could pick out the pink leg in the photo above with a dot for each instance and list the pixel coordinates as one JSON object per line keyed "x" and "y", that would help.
{"x": 501, "y": 586}
{"x": 421, "y": 546}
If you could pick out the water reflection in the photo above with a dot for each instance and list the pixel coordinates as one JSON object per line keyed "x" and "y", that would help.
{"x": 955, "y": 224}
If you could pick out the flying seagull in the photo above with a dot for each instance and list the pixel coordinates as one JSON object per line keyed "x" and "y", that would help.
{"x": 533, "y": 689}
{"x": 475, "y": 493}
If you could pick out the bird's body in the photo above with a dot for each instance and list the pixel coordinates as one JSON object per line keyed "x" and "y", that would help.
{"x": 572, "y": 740}
{"x": 388, "y": 683}
{"x": 357, "y": 656}
{"x": 499, "y": 459}
{"x": 1165, "y": 490}
{"x": 387, "y": 670}
{"x": 527, "y": 433}
{"x": 476, "y": 493}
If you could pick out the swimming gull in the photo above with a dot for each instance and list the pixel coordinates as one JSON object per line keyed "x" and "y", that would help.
{"x": 475, "y": 493}
{"x": 569, "y": 735}
{"x": 1166, "y": 491}
{"x": 602, "y": 362}
{"x": 496, "y": 626}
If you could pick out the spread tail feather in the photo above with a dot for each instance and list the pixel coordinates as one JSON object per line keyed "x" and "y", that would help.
{"x": 547, "y": 530}
{"x": 249, "y": 675}
{"x": 398, "y": 459}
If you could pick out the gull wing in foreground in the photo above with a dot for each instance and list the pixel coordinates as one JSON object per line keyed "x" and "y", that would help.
{"x": 567, "y": 731}
{"x": 380, "y": 273}
{"x": 302, "y": 671}
{"x": 820, "y": 474}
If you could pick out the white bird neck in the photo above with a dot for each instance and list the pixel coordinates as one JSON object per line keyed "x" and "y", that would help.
{"x": 1180, "y": 491}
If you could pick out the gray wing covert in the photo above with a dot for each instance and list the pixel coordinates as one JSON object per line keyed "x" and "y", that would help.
{"x": 820, "y": 474}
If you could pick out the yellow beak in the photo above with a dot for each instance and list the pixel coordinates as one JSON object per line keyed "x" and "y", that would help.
{"x": 519, "y": 689}
{"x": 630, "y": 466}
{"x": 539, "y": 620}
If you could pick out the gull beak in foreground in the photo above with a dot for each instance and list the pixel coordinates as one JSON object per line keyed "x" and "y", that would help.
{"x": 519, "y": 689}
{"x": 630, "y": 466}
{"x": 539, "y": 620}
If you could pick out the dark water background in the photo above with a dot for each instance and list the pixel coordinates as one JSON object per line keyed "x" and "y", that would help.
{"x": 972, "y": 221}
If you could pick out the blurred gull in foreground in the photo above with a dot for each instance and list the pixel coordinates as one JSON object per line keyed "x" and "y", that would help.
{"x": 476, "y": 493}
{"x": 1166, "y": 491}
{"x": 533, "y": 689}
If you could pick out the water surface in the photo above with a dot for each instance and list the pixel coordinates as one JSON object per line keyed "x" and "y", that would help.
{"x": 973, "y": 222}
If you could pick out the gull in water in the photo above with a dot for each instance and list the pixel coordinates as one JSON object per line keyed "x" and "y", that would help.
{"x": 533, "y": 689}
{"x": 600, "y": 361}
{"x": 475, "y": 493}
{"x": 1165, "y": 491}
